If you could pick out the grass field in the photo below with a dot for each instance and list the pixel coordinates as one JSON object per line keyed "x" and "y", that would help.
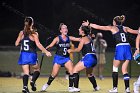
{"x": 8, "y": 62}
{"x": 60, "y": 85}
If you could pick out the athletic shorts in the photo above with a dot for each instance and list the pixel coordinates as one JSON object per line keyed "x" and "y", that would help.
{"x": 89, "y": 60}
{"x": 61, "y": 60}
{"x": 123, "y": 52}
{"x": 27, "y": 58}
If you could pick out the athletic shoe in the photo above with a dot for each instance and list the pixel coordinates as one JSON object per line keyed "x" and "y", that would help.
{"x": 76, "y": 89}
{"x": 136, "y": 87}
{"x": 97, "y": 88}
{"x": 25, "y": 90}
{"x": 127, "y": 90}
{"x": 45, "y": 86}
{"x": 33, "y": 85}
{"x": 114, "y": 90}
{"x": 70, "y": 89}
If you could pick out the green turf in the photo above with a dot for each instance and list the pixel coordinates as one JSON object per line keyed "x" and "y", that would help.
{"x": 8, "y": 62}
{"x": 60, "y": 85}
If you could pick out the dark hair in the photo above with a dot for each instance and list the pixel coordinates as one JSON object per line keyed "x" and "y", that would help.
{"x": 119, "y": 19}
{"x": 60, "y": 25}
{"x": 86, "y": 30}
{"x": 27, "y": 29}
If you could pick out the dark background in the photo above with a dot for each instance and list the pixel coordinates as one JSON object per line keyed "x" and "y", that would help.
{"x": 49, "y": 13}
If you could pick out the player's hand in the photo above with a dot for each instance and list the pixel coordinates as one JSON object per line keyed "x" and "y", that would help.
{"x": 69, "y": 50}
{"x": 48, "y": 54}
{"x": 136, "y": 52}
{"x": 139, "y": 30}
{"x": 85, "y": 23}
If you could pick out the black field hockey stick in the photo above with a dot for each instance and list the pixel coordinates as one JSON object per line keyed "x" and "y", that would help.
{"x": 43, "y": 54}
{"x": 41, "y": 61}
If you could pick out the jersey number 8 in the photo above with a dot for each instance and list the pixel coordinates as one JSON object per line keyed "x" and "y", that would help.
{"x": 123, "y": 37}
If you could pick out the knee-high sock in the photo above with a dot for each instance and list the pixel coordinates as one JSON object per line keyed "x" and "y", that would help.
{"x": 115, "y": 79}
{"x": 70, "y": 80}
{"x": 76, "y": 80}
{"x": 126, "y": 80}
{"x": 25, "y": 80}
{"x": 51, "y": 78}
{"x": 35, "y": 76}
{"x": 93, "y": 81}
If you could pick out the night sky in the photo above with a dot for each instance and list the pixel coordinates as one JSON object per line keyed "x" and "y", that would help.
{"x": 49, "y": 13}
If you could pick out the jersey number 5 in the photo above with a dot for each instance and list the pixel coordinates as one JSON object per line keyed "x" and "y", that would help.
{"x": 65, "y": 51}
{"x": 26, "y": 46}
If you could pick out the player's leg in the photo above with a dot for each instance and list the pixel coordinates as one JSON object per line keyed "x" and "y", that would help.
{"x": 67, "y": 75}
{"x": 55, "y": 71}
{"x": 92, "y": 78}
{"x": 137, "y": 86}
{"x": 69, "y": 67}
{"x": 25, "y": 78}
{"x": 35, "y": 76}
{"x": 126, "y": 75}
{"x": 78, "y": 67}
{"x": 116, "y": 64}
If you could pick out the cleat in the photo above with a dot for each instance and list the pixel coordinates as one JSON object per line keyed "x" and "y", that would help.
{"x": 25, "y": 90}
{"x": 44, "y": 87}
{"x": 127, "y": 90}
{"x": 97, "y": 88}
{"x": 70, "y": 89}
{"x": 76, "y": 89}
{"x": 114, "y": 90}
{"x": 33, "y": 85}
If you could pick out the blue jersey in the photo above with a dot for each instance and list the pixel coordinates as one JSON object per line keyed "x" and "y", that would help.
{"x": 27, "y": 45}
{"x": 63, "y": 46}
{"x": 89, "y": 58}
{"x": 88, "y": 48}
{"x": 62, "y": 56}
{"x": 123, "y": 48}
{"x": 121, "y": 36}
{"x": 28, "y": 53}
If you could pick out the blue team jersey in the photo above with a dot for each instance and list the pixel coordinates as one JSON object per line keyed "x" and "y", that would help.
{"x": 63, "y": 46}
{"x": 28, "y": 53}
{"x": 62, "y": 56}
{"x": 123, "y": 48}
{"x": 89, "y": 58}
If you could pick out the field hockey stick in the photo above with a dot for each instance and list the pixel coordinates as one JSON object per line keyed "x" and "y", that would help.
{"x": 41, "y": 61}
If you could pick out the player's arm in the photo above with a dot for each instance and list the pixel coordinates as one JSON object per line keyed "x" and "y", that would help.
{"x": 138, "y": 41}
{"x": 39, "y": 45}
{"x": 137, "y": 45}
{"x": 131, "y": 30}
{"x": 80, "y": 46}
{"x": 52, "y": 43}
{"x": 104, "y": 28}
{"x": 95, "y": 26}
{"x": 74, "y": 38}
{"x": 19, "y": 38}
